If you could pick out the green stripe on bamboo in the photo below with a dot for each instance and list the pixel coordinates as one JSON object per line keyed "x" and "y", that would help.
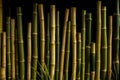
{"x": 83, "y": 36}
{"x": 52, "y": 41}
{"x": 109, "y": 59}
{"x": 98, "y": 40}
{"x": 8, "y": 48}
{"x": 103, "y": 44}
{"x": 78, "y": 56}
{"x": 87, "y": 48}
{"x": 13, "y": 48}
{"x": 62, "y": 52}
{"x": 34, "y": 43}
{"x": 29, "y": 51}
{"x": 92, "y": 61}
{"x": 57, "y": 46}
{"x": 74, "y": 42}
{"x": 67, "y": 52}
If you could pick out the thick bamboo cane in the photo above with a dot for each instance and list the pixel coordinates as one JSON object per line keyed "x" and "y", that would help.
{"x": 62, "y": 52}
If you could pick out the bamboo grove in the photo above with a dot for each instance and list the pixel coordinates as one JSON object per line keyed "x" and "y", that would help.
{"x": 56, "y": 51}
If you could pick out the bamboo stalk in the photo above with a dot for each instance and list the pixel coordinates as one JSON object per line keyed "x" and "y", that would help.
{"x": 13, "y": 48}
{"x": 87, "y": 49}
{"x": 52, "y": 41}
{"x": 67, "y": 52}
{"x": 109, "y": 69}
{"x": 78, "y": 56}
{"x": 34, "y": 43}
{"x": 57, "y": 46}
{"x": 8, "y": 48}
{"x": 3, "y": 57}
{"x": 74, "y": 44}
{"x": 98, "y": 41}
{"x": 116, "y": 41}
{"x": 62, "y": 53}
{"x": 83, "y": 36}
{"x": 92, "y": 61}
{"x": 103, "y": 44}
{"x": 29, "y": 51}
{"x": 20, "y": 45}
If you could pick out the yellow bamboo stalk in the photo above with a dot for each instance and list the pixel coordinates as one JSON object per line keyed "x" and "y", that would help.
{"x": 74, "y": 47}
{"x": 62, "y": 54}
{"x": 13, "y": 47}
{"x": 52, "y": 41}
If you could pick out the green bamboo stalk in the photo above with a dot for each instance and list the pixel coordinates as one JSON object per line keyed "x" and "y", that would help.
{"x": 103, "y": 44}
{"x": 62, "y": 53}
{"x": 16, "y": 57}
{"x": 57, "y": 46}
{"x": 92, "y": 61}
{"x": 67, "y": 52}
{"x": 29, "y": 51}
{"x": 83, "y": 36}
{"x": 47, "y": 45}
{"x": 116, "y": 41}
{"x": 13, "y": 48}
{"x": 78, "y": 56}
{"x": 3, "y": 57}
{"x": 88, "y": 41}
{"x": 74, "y": 42}
{"x": 20, "y": 45}
{"x": 34, "y": 43}
{"x": 98, "y": 41}
{"x": 109, "y": 69}
{"x": 52, "y": 41}
{"x": 8, "y": 48}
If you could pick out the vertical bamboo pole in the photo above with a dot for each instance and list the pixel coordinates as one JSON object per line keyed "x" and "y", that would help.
{"x": 34, "y": 43}
{"x": 92, "y": 61}
{"x": 62, "y": 53}
{"x": 57, "y": 46}
{"x": 3, "y": 58}
{"x": 78, "y": 56}
{"x": 83, "y": 36}
{"x": 8, "y": 48}
{"x": 20, "y": 45}
{"x": 52, "y": 41}
{"x": 13, "y": 48}
{"x": 29, "y": 51}
{"x": 87, "y": 49}
{"x": 109, "y": 69}
{"x": 67, "y": 52}
{"x": 98, "y": 41}
{"x": 74, "y": 44}
{"x": 103, "y": 44}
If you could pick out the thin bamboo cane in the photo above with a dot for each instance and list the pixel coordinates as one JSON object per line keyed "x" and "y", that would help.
{"x": 62, "y": 52}
{"x": 98, "y": 41}
{"x": 13, "y": 48}
{"x": 78, "y": 56}
{"x": 103, "y": 44}
{"x": 57, "y": 46}
{"x": 20, "y": 45}
{"x": 74, "y": 45}
{"x": 8, "y": 48}
{"x": 109, "y": 69}
{"x": 52, "y": 41}
{"x": 67, "y": 52}
{"x": 47, "y": 55}
{"x": 115, "y": 49}
{"x": 83, "y": 34}
{"x": 92, "y": 61}
{"x": 3, "y": 58}
{"x": 87, "y": 49}
{"x": 29, "y": 51}
{"x": 34, "y": 43}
